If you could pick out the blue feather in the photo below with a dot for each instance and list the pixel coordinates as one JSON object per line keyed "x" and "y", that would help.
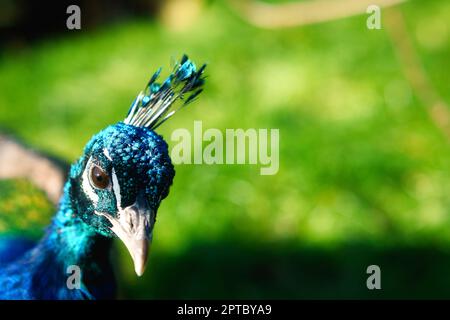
{"x": 152, "y": 107}
{"x": 12, "y": 247}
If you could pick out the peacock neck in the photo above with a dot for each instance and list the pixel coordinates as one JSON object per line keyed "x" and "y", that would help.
{"x": 73, "y": 241}
{"x": 69, "y": 243}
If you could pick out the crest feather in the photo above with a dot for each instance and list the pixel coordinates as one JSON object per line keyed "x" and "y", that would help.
{"x": 154, "y": 105}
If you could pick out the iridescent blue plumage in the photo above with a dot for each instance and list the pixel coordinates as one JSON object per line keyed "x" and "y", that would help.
{"x": 114, "y": 189}
{"x": 152, "y": 106}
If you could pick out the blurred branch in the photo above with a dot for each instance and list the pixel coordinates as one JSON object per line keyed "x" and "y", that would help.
{"x": 180, "y": 14}
{"x": 18, "y": 161}
{"x": 435, "y": 106}
{"x": 274, "y": 16}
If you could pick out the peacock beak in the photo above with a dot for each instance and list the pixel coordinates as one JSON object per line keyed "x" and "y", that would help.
{"x": 133, "y": 225}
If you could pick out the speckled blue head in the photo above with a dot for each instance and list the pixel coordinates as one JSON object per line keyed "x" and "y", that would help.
{"x": 117, "y": 185}
{"x": 136, "y": 163}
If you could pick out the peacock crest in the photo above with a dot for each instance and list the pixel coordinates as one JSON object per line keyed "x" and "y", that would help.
{"x": 155, "y": 104}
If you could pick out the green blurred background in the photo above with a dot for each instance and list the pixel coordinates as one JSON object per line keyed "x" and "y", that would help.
{"x": 364, "y": 160}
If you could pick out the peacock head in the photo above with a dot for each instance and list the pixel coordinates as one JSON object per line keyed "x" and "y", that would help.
{"x": 125, "y": 172}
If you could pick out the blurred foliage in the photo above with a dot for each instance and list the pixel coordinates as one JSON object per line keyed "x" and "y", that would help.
{"x": 363, "y": 173}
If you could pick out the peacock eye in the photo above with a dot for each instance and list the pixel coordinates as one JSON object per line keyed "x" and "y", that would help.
{"x": 99, "y": 178}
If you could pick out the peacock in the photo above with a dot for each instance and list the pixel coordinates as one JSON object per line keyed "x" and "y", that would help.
{"x": 113, "y": 190}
